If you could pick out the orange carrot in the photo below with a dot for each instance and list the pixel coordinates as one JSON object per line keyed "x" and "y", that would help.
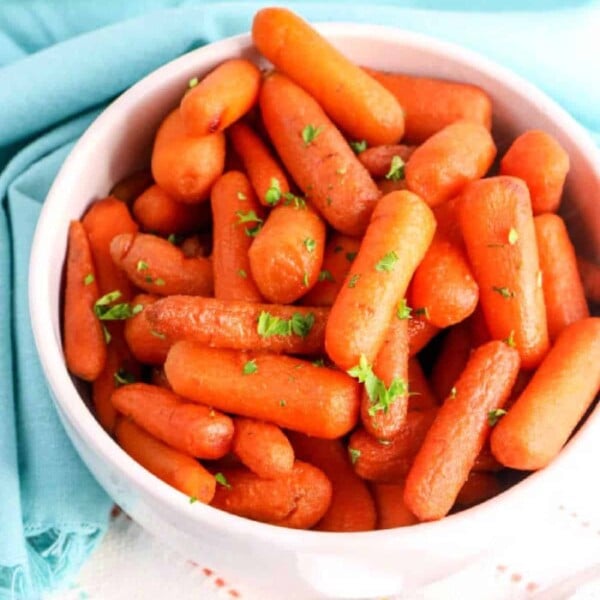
{"x": 129, "y": 188}
{"x": 538, "y": 159}
{"x": 289, "y": 392}
{"x": 451, "y": 360}
{"x": 157, "y": 212}
{"x": 172, "y": 466}
{"x": 390, "y": 461}
{"x": 361, "y": 106}
{"x": 590, "y": 277}
{"x": 298, "y": 500}
{"x": 478, "y": 488}
{"x": 352, "y": 507}
{"x": 432, "y": 104}
{"x": 391, "y": 510}
{"x": 498, "y": 229}
{"x": 158, "y": 267}
{"x": 233, "y": 202}
{"x": 420, "y": 333}
{"x": 223, "y": 96}
{"x": 240, "y": 325}
{"x": 563, "y": 291}
{"x": 441, "y": 167}
{"x": 459, "y": 431}
{"x": 264, "y": 171}
{"x": 340, "y": 251}
{"x": 263, "y": 448}
{"x": 421, "y": 395}
{"x": 317, "y": 156}
{"x": 287, "y": 254}
{"x": 396, "y": 240}
{"x": 85, "y": 348}
{"x": 183, "y": 166}
{"x": 378, "y": 159}
{"x": 191, "y": 428}
{"x": 558, "y": 395}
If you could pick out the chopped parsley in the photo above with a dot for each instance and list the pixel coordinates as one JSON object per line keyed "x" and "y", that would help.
{"x": 319, "y": 362}
{"x": 387, "y": 262}
{"x": 117, "y": 312}
{"x": 326, "y": 275}
{"x": 290, "y": 199}
{"x": 510, "y": 340}
{"x": 142, "y": 265}
{"x": 504, "y": 292}
{"x": 159, "y": 281}
{"x": 222, "y": 480}
{"x": 350, "y": 256}
{"x": 495, "y": 415}
{"x": 249, "y": 217}
{"x": 193, "y": 82}
{"x": 282, "y": 403}
{"x": 354, "y": 455}
{"x": 396, "y": 172}
{"x": 353, "y": 281}
{"x": 193, "y": 499}
{"x": 273, "y": 194}
{"x": 242, "y": 273}
{"x": 175, "y": 239}
{"x": 310, "y": 244}
{"x": 359, "y": 147}
{"x": 338, "y": 249}
{"x": 310, "y": 134}
{"x": 241, "y": 196}
{"x": 422, "y": 312}
{"x": 122, "y": 377}
{"x": 250, "y": 367}
{"x": 403, "y": 310}
{"x": 299, "y": 324}
{"x": 88, "y": 279}
{"x": 305, "y": 280}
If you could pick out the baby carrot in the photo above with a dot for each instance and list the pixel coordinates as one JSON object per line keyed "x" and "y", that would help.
{"x": 538, "y": 159}
{"x": 233, "y": 204}
{"x": 378, "y": 160}
{"x": 590, "y": 277}
{"x": 391, "y": 510}
{"x": 287, "y": 254}
{"x": 441, "y": 167}
{"x": 340, "y": 252}
{"x": 563, "y": 291}
{"x": 148, "y": 346}
{"x": 264, "y": 171}
{"x": 420, "y": 333}
{"x": 401, "y": 229}
{"x": 478, "y": 488}
{"x": 498, "y": 229}
{"x": 421, "y": 395}
{"x": 263, "y": 448}
{"x": 289, "y": 392}
{"x": 222, "y": 97}
{"x": 390, "y": 461}
{"x": 361, "y": 106}
{"x": 453, "y": 356}
{"x": 560, "y": 391}
{"x": 240, "y": 325}
{"x": 352, "y": 507}
{"x": 459, "y": 431}
{"x": 432, "y": 104}
{"x": 317, "y": 156}
{"x": 85, "y": 348}
{"x": 129, "y": 188}
{"x": 158, "y": 213}
{"x": 158, "y": 267}
{"x": 186, "y": 426}
{"x": 298, "y": 499}
{"x": 172, "y": 466}
{"x": 184, "y": 166}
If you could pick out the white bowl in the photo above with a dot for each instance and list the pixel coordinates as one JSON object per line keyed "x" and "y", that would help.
{"x": 276, "y": 561}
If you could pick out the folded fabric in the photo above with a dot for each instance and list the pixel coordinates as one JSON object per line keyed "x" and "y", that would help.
{"x": 57, "y": 70}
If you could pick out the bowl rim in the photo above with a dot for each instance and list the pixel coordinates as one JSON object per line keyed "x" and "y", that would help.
{"x": 71, "y": 407}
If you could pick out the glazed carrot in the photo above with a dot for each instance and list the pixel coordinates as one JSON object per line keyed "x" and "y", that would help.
{"x": 384, "y": 420}
{"x": 317, "y": 156}
{"x": 103, "y": 221}
{"x": 264, "y": 171}
{"x": 157, "y": 212}
{"x": 564, "y": 295}
{"x": 389, "y": 462}
{"x": 223, "y": 96}
{"x": 263, "y": 448}
{"x": 361, "y": 106}
{"x": 441, "y": 167}
{"x": 195, "y": 246}
{"x": 298, "y": 500}
{"x": 240, "y": 325}
{"x": 184, "y": 166}
{"x": 159, "y": 378}
{"x": 158, "y": 267}
{"x": 451, "y": 360}
{"x": 129, "y": 188}
{"x": 538, "y": 159}
{"x": 233, "y": 201}
{"x": 590, "y": 277}
{"x": 172, "y": 466}
{"x": 85, "y": 348}
{"x": 289, "y": 392}
{"x": 340, "y": 251}
{"x": 352, "y": 507}
{"x": 287, "y": 254}
{"x": 421, "y": 396}
{"x": 420, "y": 333}
{"x": 478, "y": 488}
{"x": 498, "y": 229}
{"x": 459, "y": 431}
{"x": 560, "y": 391}
{"x": 391, "y": 510}
{"x": 186, "y": 426}
{"x": 147, "y": 345}
{"x": 378, "y": 159}
{"x": 443, "y": 284}
{"x": 432, "y": 104}
{"x": 401, "y": 229}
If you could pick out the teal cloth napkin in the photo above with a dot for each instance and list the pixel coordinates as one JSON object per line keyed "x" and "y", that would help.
{"x": 60, "y": 63}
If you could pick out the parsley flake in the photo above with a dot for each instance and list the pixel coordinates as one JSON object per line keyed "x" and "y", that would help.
{"x": 319, "y": 362}
{"x": 354, "y": 455}
{"x": 142, "y": 265}
{"x": 359, "y": 147}
{"x": 310, "y": 244}
{"x": 249, "y": 217}
{"x": 513, "y": 236}
{"x": 403, "y": 310}
{"x": 193, "y": 499}
{"x": 353, "y": 281}
{"x": 504, "y": 292}
{"x": 326, "y": 275}
{"x": 122, "y": 377}
{"x": 495, "y": 415}
{"x": 222, "y": 480}
{"x": 290, "y": 199}
{"x": 422, "y": 312}
{"x": 299, "y": 324}
{"x": 396, "y": 172}
{"x": 338, "y": 249}
{"x": 116, "y": 312}
{"x": 510, "y": 340}
{"x": 387, "y": 262}
{"x": 175, "y": 239}
{"x": 282, "y": 403}
{"x": 250, "y": 367}
{"x": 159, "y": 281}
{"x": 305, "y": 280}
{"x": 350, "y": 256}
{"x": 242, "y": 196}
{"x": 310, "y": 134}
{"x": 242, "y": 273}
{"x": 88, "y": 279}
{"x": 193, "y": 82}
{"x": 273, "y": 194}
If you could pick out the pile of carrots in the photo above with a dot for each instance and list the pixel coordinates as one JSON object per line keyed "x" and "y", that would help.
{"x": 299, "y": 320}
